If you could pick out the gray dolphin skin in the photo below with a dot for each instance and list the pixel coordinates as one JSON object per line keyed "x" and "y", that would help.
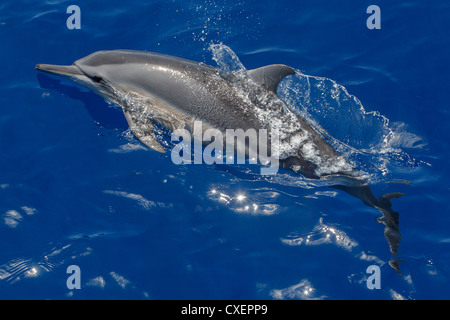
{"x": 175, "y": 92}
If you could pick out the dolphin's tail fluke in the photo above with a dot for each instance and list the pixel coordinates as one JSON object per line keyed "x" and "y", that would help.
{"x": 385, "y": 199}
{"x": 389, "y": 218}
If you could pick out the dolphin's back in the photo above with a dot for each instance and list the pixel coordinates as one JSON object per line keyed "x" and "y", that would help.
{"x": 120, "y": 56}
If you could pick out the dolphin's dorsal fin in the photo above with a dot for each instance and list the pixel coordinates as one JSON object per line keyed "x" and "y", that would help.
{"x": 143, "y": 129}
{"x": 270, "y": 76}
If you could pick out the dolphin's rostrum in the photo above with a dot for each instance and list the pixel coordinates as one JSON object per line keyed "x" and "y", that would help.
{"x": 175, "y": 92}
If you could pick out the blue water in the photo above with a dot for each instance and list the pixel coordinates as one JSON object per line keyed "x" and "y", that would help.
{"x": 76, "y": 188}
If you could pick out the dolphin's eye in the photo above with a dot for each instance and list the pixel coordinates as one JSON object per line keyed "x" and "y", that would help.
{"x": 96, "y": 79}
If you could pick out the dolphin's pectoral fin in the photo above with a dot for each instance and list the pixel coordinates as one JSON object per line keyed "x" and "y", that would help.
{"x": 270, "y": 76}
{"x": 143, "y": 129}
{"x": 167, "y": 123}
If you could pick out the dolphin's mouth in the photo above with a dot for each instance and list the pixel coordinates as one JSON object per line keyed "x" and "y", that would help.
{"x": 64, "y": 71}
{"x": 74, "y": 73}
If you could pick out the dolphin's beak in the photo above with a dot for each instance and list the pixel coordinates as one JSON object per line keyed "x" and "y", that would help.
{"x": 64, "y": 71}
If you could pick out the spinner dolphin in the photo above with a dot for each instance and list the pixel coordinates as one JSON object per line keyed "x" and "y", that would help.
{"x": 175, "y": 92}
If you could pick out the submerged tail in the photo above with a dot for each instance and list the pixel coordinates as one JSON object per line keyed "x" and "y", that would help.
{"x": 389, "y": 218}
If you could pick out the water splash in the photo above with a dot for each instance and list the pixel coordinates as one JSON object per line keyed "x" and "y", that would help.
{"x": 213, "y": 19}
{"x": 365, "y": 138}
{"x": 225, "y": 58}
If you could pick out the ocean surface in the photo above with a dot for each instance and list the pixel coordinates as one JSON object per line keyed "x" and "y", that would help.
{"x": 78, "y": 189}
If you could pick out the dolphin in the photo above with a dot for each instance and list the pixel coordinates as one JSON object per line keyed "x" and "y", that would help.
{"x": 175, "y": 92}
